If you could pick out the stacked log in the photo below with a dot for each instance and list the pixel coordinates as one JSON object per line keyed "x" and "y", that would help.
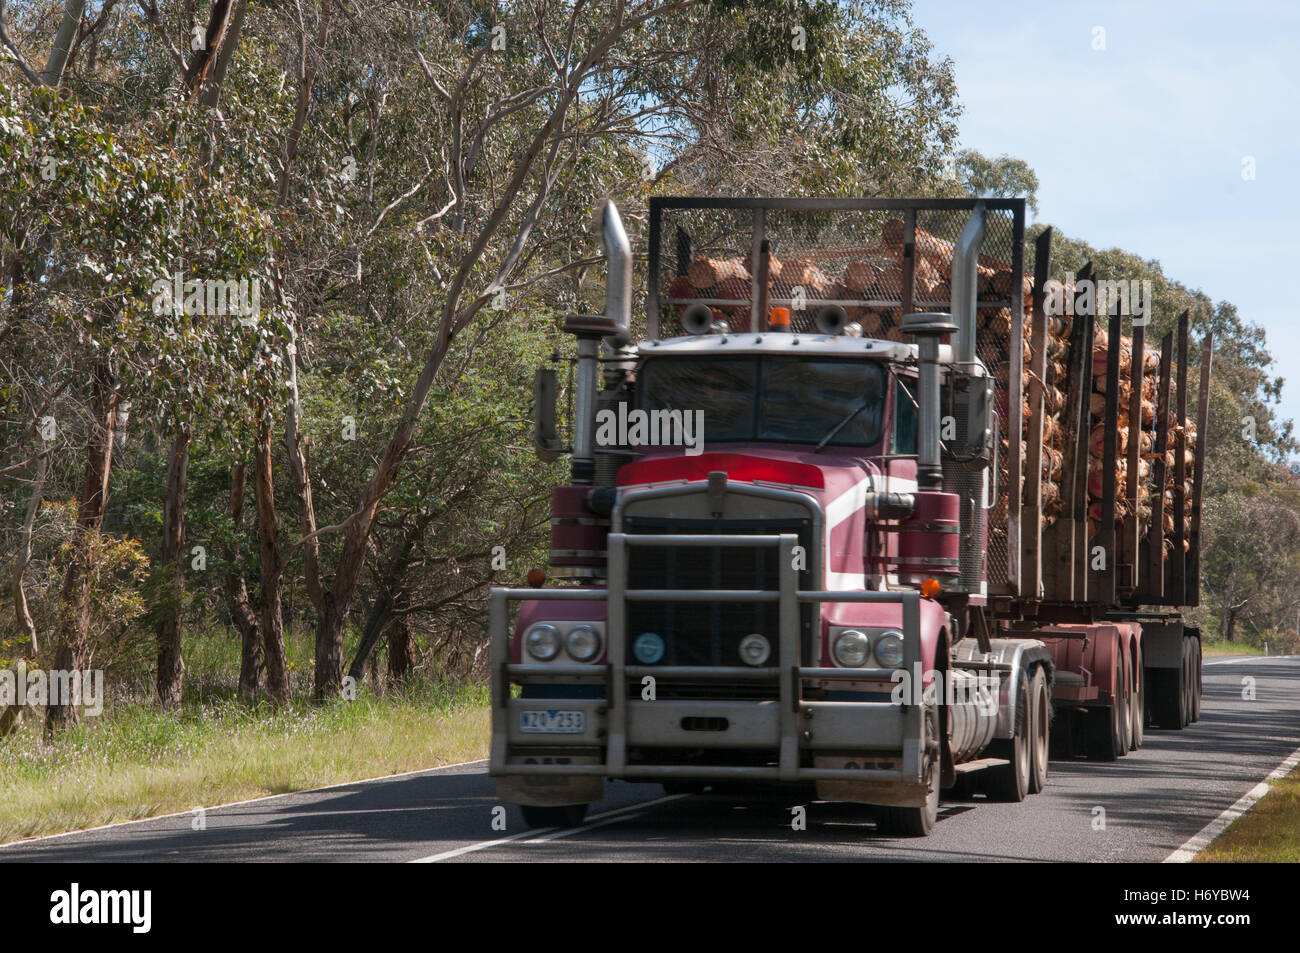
{"x": 873, "y": 274}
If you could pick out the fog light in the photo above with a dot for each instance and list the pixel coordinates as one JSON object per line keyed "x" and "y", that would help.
{"x": 754, "y": 649}
{"x": 583, "y": 643}
{"x": 852, "y": 648}
{"x": 889, "y": 649}
{"x": 648, "y": 648}
{"x": 543, "y": 642}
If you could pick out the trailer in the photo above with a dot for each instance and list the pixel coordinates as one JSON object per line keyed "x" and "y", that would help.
{"x": 834, "y": 521}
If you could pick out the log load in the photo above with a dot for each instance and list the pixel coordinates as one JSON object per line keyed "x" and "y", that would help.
{"x": 872, "y": 274}
{"x": 704, "y": 273}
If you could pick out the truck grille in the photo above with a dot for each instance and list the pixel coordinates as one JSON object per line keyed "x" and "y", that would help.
{"x": 709, "y": 633}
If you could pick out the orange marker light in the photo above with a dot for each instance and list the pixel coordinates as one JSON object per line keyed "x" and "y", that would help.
{"x": 780, "y": 318}
{"x": 930, "y": 588}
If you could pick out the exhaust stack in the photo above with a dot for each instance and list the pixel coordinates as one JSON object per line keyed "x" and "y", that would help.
{"x": 965, "y": 259}
{"x": 618, "y": 274}
{"x": 614, "y": 327}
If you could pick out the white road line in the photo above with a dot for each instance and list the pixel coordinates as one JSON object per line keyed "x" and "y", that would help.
{"x": 596, "y": 820}
{"x": 251, "y": 800}
{"x": 1252, "y": 658}
{"x": 1220, "y": 824}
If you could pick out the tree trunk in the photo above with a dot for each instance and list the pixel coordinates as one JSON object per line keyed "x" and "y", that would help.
{"x": 381, "y": 612}
{"x": 237, "y": 601}
{"x": 338, "y": 599}
{"x": 229, "y": 44}
{"x": 201, "y": 63}
{"x": 73, "y": 650}
{"x": 401, "y": 654}
{"x": 21, "y": 612}
{"x": 293, "y": 445}
{"x": 277, "y": 675}
{"x": 53, "y": 73}
{"x": 171, "y": 666}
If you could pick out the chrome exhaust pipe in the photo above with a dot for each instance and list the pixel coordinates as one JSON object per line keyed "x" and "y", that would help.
{"x": 965, "y": 288}
{"x": 618, "y": 275}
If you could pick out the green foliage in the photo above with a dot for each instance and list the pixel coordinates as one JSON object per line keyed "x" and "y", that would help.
{"x": 1003, "y": 177}
{"x": 118, "y": 601}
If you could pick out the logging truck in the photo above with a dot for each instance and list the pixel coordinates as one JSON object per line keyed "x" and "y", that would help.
{"x": 931, "y": 527}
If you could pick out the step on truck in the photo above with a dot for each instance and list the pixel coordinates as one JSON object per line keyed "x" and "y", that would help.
{"x": 853, "y": 508}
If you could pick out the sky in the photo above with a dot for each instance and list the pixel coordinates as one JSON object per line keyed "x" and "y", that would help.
{"x": 1146, "y": 143}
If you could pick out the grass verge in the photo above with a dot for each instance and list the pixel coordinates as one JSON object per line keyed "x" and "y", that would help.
{"x": 135, "y": 762}
{"x": 1268, "y": 833}
{"x": 1221, "y": 649}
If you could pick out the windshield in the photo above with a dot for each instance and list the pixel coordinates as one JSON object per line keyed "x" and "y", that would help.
{"x": 778, "y": 398}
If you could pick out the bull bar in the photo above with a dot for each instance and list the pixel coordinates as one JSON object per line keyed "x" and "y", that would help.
{"x": 790, "y": 725}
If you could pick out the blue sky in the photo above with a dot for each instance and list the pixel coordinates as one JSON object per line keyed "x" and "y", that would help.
{"x": 1141, "y": 145}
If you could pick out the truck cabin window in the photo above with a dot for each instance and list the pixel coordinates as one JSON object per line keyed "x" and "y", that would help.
{"x": 905, "y": 416}
{"x": 779, "y": 399}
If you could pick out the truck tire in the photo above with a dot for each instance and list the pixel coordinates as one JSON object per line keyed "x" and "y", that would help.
{"x": 1010, "y": 782}
{"x": 1107, "y": 728}
{"x": 1185, "y": 695}
{"x": 917, "y": 821}
{"x": 1196, "y": 679}
{"x": 1138, "y": 706}
{"x": 569, "y": 815}
{"x": 1124, "y": 700}
{"x": 1040, "y": 712}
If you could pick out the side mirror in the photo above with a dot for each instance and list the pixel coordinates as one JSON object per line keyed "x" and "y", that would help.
{"x": 546, "y": 437}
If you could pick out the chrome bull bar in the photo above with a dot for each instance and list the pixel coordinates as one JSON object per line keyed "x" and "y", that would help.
{"x": 790, "y": 724}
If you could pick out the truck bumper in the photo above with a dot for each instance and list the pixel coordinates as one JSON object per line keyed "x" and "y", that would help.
{"x": 873, "y": 751}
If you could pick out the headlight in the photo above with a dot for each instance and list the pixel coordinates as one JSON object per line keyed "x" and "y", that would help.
{"x": 543, "y": 642}
{"x": 889, "y": 649}
{"x": 648, "y": 648}
{"x": 852, "y": 648}
{"x": 754, "y": 649}
{"x": 583, "y": 643}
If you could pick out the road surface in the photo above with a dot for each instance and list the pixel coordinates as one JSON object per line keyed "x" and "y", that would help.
{"x": 1140, "y": 808}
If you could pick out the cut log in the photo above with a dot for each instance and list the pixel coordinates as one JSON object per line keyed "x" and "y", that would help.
{"x": 707, "y": 272}
{"x": 862, "y": 276}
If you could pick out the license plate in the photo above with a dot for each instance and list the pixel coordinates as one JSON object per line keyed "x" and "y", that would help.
{"x": 553, "y": 721}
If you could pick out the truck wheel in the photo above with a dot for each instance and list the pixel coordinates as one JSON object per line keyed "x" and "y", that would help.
{"x": 1196, "y": 679}
{"x": 1185, "y": 695}
{"x": 1108, "y": 727}
{"x": 569, "y": 815}
{"x": 1165, "y": 698}
{"x": 917, "y": 821}
{"x": 1138, "y": 705}
{"x": 1010, "y": 782}
{"x": 1124, "y": 702}
{"x": 1040, "y": 712}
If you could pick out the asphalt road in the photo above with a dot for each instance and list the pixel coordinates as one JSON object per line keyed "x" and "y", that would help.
{"x": 1153, "y": 801}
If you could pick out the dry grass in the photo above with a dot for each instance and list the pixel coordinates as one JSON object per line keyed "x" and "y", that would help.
{"x": 1221, "y": 649}
{"x": 1269, "y": 833}
{"x": 135, "y": 762}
